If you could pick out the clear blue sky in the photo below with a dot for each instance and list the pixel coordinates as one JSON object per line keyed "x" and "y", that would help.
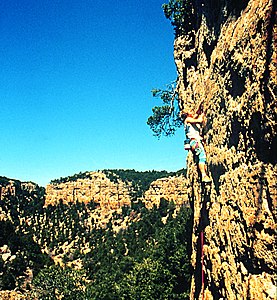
{"x": 75, "y": 87}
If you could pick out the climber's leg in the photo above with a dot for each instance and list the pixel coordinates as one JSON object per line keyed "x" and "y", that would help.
{"x": 198, "y": 149}
{"x": 203, "y": 171}
{"x": 202, "y": 164}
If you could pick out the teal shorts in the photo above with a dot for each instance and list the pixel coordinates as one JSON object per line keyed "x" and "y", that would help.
{"x": 198, "y": 149}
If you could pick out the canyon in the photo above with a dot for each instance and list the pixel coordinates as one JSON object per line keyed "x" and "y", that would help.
{"x": 225, "y": 59}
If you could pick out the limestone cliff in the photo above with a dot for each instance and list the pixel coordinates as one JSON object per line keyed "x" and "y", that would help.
{"x": 11, "y": 295}
{"x": 109, "y": 195}
{"x": 172, "y": 189}
{"x": 10, "y": 188}
{"x": 229, "y": 61}
{"x": 96, "y": 187}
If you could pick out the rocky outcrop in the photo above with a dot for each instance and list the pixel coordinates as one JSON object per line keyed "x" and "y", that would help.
{"x": 11, "y": 187}
{"x": 229, "y": 62}
{"x": 172, "y": 189}
{"x": 109, "y": 195}
{"x": 11, "y": 295}
{"x": 97, "y": 187}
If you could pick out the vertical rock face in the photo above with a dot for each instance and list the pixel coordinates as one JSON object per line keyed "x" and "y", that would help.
{"x": 229, "y": 62}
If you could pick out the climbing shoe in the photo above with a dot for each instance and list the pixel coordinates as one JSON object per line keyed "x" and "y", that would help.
{"x": 206, "y": 179}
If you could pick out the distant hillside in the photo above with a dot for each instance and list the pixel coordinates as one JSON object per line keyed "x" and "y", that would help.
{"x": 14, "y": 187}
{"x": 51, "y": 250}
{"x": 4, "y": 182}
{"x": 140, "y": 180}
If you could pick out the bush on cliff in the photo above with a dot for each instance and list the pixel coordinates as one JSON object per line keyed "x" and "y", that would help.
{"x": 181, "y": 15}
{"x": 165, "y": 118}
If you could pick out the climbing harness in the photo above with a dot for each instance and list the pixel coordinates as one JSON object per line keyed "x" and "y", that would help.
{"x": 194, "y": 145}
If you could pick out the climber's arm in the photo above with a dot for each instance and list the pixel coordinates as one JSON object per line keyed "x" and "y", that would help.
{"x": 194, "y": 120}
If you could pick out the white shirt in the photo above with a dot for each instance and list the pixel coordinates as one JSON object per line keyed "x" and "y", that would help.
{"x": 194, "y": 131}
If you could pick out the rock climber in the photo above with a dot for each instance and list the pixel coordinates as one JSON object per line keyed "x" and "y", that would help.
{"x": 193, "y": 125}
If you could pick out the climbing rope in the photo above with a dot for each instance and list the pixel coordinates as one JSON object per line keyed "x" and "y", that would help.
{"x": 202, "y": 262}
{"x": 204, "y": 223}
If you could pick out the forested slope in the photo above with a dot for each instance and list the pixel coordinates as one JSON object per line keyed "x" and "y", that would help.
{"x": 49, "y": 251}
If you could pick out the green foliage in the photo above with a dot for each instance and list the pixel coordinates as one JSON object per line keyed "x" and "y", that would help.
{"x": 24, "y": 252}
{"x": 144, "y": 281}
{"x": 75, "y": 177}
{"x": 4, "y": 180}
{"x": 57, "y": 283}
{"x": 146, "y": 259}
{"x": 165, "y": 119}
{"x": 149, "y": 260}
{"x": 181, "y": 15}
